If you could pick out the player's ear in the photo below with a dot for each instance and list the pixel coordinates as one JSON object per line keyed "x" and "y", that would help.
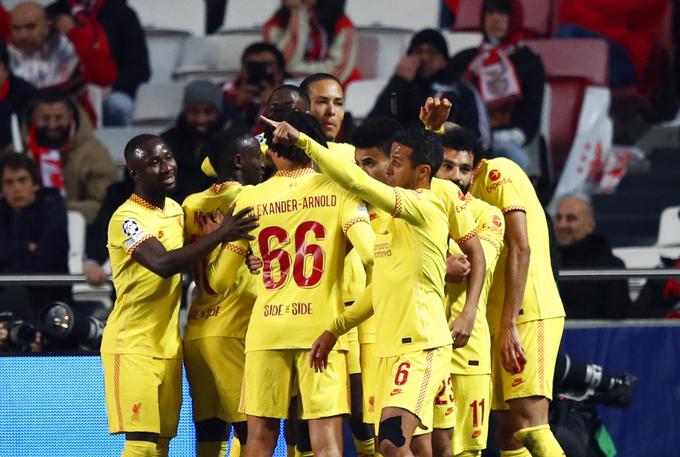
{"x": 237, "y": 161}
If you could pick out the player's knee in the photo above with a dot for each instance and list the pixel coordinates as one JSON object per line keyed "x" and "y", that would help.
{"x": 213, "y": 429}
{"x": 241, "y": 432}
{"x": 390, "y": 435}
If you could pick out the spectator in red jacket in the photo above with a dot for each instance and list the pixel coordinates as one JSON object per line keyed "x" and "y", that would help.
{"x": 315, "y": 37}
{"x": 63, "y": 53}
{"x": 629, "y": 26}
{"x": 127, "y": 44}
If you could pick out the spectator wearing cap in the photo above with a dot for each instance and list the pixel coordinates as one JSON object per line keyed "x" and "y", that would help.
{"x": 423, "y": 73}
{"x": 14, "y": 94}
{"x": 200, "y": 118}
{"x": 509, "y": 77}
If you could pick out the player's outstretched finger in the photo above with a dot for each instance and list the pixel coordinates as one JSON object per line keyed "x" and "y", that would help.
{"x": 230, "y": 210}
{"x": 266, "y": 120}
{"x": 242, "y": 213}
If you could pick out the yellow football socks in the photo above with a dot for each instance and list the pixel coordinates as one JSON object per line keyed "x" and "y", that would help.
{"x": 365, "y": 447}
{"x": 539, "y": 441}
{"x": 211, "y": 449}
{"x": 138, "y": 449}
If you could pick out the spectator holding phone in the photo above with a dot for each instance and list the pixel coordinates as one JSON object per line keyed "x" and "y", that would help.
{"x": 263, "y": 69}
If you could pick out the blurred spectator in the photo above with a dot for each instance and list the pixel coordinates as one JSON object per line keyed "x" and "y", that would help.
{"x": 60, "y": 139}
{"x": 263, "y": 68}
{"x": 14, "y": 93}
{"x": 33, "y": 234}
{"x": 315, "y": 36}
{"x": 201, "y": 116}
{"x": 628, "y": 26}
{"x": 581, "y": 247}
{"x": 509, "y": 77}
{"x": 60, "y": 53}
{"x": 127, "y": 44}
{"x": 423, "y": 73}
{"x": 95, "y": 266}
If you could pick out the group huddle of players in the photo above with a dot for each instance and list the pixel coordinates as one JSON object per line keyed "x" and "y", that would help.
{"x": 389, "y": 282}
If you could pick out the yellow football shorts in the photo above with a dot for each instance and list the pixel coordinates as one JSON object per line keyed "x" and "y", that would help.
{"x": 412, "y": 382}
{"x": 353, "y": 352}
{"x": 269, "y": 382}
{"x": 143, "y": 394}
{"x": 215, "y": 372}
{"x": 541, "y": 342}
{"x": 369, "y": 380}
{"x": 444, "y": 406}
{"x": 472, "y": 394}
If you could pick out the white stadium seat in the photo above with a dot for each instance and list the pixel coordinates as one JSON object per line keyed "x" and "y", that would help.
{"x": 391, "y": 46}
{"x": 188, "y": 15}
{"x": 76, "y": 241}
{"x": 459, "y": 41}
{"x": 361, "y": 95}
{"x": 367, "y": 55}
{"x": 214, "y": 57}
{"x": 669, "y": 227}
{"x": 158, "y": 104}
{"x": 394, "y": 13}
{"x": 165, "y": 50}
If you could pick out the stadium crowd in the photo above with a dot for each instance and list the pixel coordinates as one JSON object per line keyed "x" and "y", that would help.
{"x": 399, "y": 271}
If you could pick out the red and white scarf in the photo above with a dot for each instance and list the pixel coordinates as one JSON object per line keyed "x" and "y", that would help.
{"x": 48, "y": 160}
{"x": 494, "y": 74}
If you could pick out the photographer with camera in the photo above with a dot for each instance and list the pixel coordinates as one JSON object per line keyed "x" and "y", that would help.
{"x": 33, "y": 240}
{"x": 263, "y": 68}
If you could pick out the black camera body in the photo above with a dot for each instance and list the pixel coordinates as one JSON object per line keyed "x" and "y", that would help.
{"x": 21, "y": 333}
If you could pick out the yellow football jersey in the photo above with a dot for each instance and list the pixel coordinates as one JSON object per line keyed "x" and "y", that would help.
{"x": 145, "y": 317}
{"x": 502, "y": 183}
{"x": 211, "y": 313}
{"x": 354, "y": 277}
{"x": 474, "y": 357}
{"x": 409, "y": 255}
{"x": 302, "y": 241}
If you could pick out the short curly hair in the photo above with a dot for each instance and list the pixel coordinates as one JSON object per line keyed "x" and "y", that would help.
{"x": 427, "y": 148}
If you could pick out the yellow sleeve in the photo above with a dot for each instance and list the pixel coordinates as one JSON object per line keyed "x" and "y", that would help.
{"x": 127, "y": 230}
{"x": 353, "y": 315}
{"x": 462, "y": 224}
{"x": 222, "y": 272}
{"x": 362, "y": 238}
{"x": 502, "y": 185}
{"x": 394, "y": 200}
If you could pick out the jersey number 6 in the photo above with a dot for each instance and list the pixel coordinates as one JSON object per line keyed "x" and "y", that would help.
{"x": 303, "y": 250}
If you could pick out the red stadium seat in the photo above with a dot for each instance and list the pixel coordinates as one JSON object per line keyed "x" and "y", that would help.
{"x": 571, "y": 66}
{"x": 536, "y": 16}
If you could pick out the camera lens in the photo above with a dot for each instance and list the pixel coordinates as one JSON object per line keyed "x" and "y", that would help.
{"x": 21, "y": 334}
